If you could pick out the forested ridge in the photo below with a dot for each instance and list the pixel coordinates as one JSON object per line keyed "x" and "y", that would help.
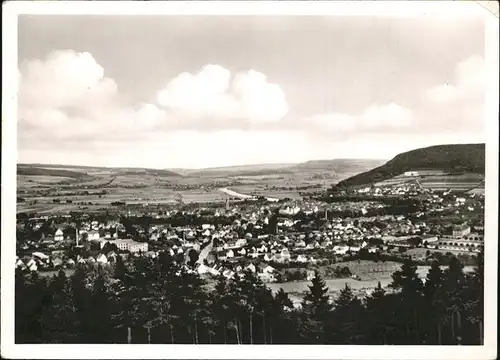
{"x": 157, "y": 300}
{"x": 457, "y": 158}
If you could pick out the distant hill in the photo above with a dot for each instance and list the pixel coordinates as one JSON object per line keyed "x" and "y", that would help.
{"x": 39, "y": 171}
{"x": 76, "y": 171}
{"x": 340, "y": 165}
{"x": 454, "y": 159}
{"x": 242, "y": 170}
{"x": 152, "y": 172}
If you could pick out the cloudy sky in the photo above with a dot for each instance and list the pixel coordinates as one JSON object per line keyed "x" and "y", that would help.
{"x": 202, "y": 91}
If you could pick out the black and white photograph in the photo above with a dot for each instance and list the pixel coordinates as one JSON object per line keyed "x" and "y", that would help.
{"x": 320, "y": 174}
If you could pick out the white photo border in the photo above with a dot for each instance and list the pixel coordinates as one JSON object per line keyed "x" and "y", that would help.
{"x": 443, "y": 9}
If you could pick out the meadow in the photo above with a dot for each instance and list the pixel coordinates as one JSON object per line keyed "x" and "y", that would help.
{"x": 369, "y": 272}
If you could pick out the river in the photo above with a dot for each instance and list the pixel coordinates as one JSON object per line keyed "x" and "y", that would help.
{"x": 243, "y": 196}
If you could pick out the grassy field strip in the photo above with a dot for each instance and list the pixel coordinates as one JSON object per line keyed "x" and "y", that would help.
{"x": 335, "y": 285}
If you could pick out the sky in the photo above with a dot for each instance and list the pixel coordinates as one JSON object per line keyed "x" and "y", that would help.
{"x": 204, "y": 91}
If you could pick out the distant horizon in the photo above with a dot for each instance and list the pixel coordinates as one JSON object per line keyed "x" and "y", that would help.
{"x": 234, "y": 165}
{"x": 195, "y": 168}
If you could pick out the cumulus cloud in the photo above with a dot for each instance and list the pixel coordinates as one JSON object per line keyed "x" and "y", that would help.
{"x": 211, "y": 95}
{"x": 469, "y": 82}
{"x": 69, "y": 107}
{"x": 459, "y": 103}
{"x": 67, "y": 95}
{"x": 374, "y": 117}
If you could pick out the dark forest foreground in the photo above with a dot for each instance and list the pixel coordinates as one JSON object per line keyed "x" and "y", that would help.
{"x": 159, "y": 301}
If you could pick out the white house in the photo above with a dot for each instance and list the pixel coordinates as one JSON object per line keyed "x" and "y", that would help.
{"x": 251, "y": 267}
{"x": 372, "y": 250}
{"x": 285, "y": 254}
{"x": 267, "y": 277}
{"x": 228, "y": 274}
{"x": 102, "y": 259}
{"x": 266, "y": 273}
{"x": 70, "y": 263}
{"x": 310, "y": 275}
{"x": 340, "y": 250}
{"x": 263, "y": 249}
{"x": 268, "y": 269}
{"x": 32, "y": 265}
{"x": 59, "y": 236}
{"x": 300, "y": 243}
{"x": 202, "y": 269}
{"x": 40, "y": 256}
{"x": 240, "y": 242}
{"x": 230, "y": 254}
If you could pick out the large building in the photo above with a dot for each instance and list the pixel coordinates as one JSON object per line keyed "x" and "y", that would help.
{"x": 462, "y": 239}
{"x": 126, "y": 245}
{"x": 459, "y": 231}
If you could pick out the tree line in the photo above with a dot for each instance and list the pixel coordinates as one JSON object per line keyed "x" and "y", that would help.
{"x": 160, "y": 301}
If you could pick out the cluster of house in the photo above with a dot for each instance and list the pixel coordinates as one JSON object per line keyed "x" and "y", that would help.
{"x": 217, "y": 245}
{"x": 394, "y": 187}
{"x": 264, "y": 271}
{"x": 40, "y": 261}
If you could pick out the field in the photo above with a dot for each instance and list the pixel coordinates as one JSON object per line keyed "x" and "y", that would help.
{"x": 439, "y": 181}
{"x": 64, "y": 188}
{"x": 369, "y": 272}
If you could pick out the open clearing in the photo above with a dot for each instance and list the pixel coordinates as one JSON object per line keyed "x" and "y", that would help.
{"x": 368, "y": 281}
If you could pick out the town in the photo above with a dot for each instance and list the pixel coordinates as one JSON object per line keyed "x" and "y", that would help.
{"x": 279, "y": 241}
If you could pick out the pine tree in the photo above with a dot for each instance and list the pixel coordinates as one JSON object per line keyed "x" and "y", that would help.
{"x": 280, "y": 326}
{"x": 120, "y": 269}
{"x": 221, "y": 309}
{"x": 316, "y": 300}
{"x": 379, "y": 316}
{"x": 434, "y": 296}
{"x": 31, "y": 297}
{"x": 283, "y": 300}
{"x": 317, "y": 308}
{"x": 250, "y": 289}
{"x": 408, "y": 312}
{"x": 100, "y": 311}
{"x": 474, "y": 304}
{"x": 59, "y": 320}
{"x": 265, "y": 308}
{"x": 434, "y": 280}
{"x": 454, "y": 298}
{"x": 347, "y": 318}
{"x": 378, "y": 293}
{"x": 407, "y": 279}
